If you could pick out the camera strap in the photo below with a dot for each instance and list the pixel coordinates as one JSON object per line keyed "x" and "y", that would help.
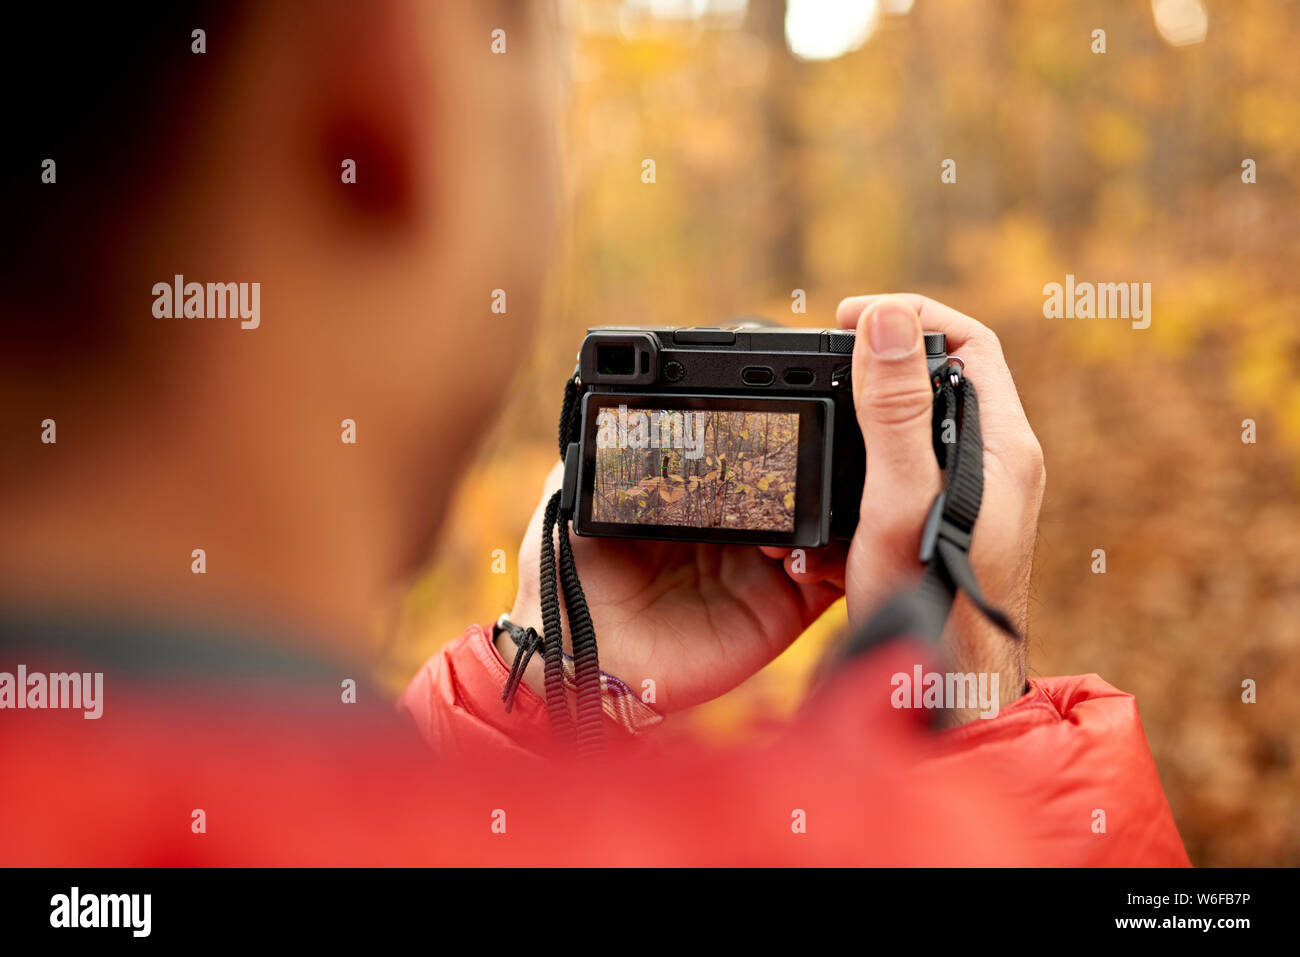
{"x": 583, "y": 729}
{"x": 946, "y": 536}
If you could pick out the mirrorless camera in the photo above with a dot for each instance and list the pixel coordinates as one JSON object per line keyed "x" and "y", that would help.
{"x": 741, "y": 434}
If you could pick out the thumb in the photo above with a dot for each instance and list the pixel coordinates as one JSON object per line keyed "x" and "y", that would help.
{"x": 893, "y": 399}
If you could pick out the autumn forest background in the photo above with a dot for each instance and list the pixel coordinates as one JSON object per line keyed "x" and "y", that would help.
{"x": 800, "y": 147}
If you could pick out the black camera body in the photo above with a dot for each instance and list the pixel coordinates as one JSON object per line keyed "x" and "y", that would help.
{"x": 743, "y": 434}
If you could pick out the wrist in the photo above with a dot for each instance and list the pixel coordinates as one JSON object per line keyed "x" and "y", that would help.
{"x": 619, "y": 702}
{"x": 973, "y": 646}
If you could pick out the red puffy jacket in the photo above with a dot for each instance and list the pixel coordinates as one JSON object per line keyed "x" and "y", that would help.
{"x": 235, "y": 754}
{"x": 1063, "y": 776}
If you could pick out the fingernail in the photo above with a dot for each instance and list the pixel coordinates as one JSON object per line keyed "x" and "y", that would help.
{"x": 893, "y": 331}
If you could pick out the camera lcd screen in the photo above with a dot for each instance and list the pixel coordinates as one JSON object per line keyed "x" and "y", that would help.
{"x": 704, "y": 468}
{"x": 708, "y": 469}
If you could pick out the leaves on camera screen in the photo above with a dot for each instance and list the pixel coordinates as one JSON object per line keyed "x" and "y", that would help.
{"x": 717, "y": 469}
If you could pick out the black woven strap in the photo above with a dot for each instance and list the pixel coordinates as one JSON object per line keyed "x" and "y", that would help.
{"x": 946, "y": 537}
{"x": 528, "y": 641}
{"x": 584, "y": 729}
{"x": 557, "y": 706}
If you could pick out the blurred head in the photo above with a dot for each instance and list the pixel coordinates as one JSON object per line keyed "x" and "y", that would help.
{"x": 228, "y": 166}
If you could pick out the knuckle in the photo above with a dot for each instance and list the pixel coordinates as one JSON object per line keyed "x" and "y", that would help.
{"x": 896, "y": 407}
{"x": 989, "y": 340}
{"x": 1032, "y": 461}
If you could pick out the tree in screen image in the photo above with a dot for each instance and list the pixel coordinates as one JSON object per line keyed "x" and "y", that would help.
{"x": 740, "y": 473}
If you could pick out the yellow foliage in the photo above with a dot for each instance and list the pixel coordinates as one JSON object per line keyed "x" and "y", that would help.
{"x": 1115, "y": 139}
{"x": 774, "y": 175}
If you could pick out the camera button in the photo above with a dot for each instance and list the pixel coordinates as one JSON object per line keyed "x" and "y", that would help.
{"x": 757, "y": 375}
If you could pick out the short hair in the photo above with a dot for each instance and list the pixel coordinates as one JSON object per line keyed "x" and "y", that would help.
{"x": 111, "y": 94}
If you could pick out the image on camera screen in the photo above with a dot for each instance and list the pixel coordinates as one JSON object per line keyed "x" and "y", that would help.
{"x": 703, "y": 469}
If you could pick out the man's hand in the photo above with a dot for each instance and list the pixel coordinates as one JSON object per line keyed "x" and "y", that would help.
{"x": 697, "y": 619}
{"x": 893, "y": 398}
{"x": 700, "y": 619}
